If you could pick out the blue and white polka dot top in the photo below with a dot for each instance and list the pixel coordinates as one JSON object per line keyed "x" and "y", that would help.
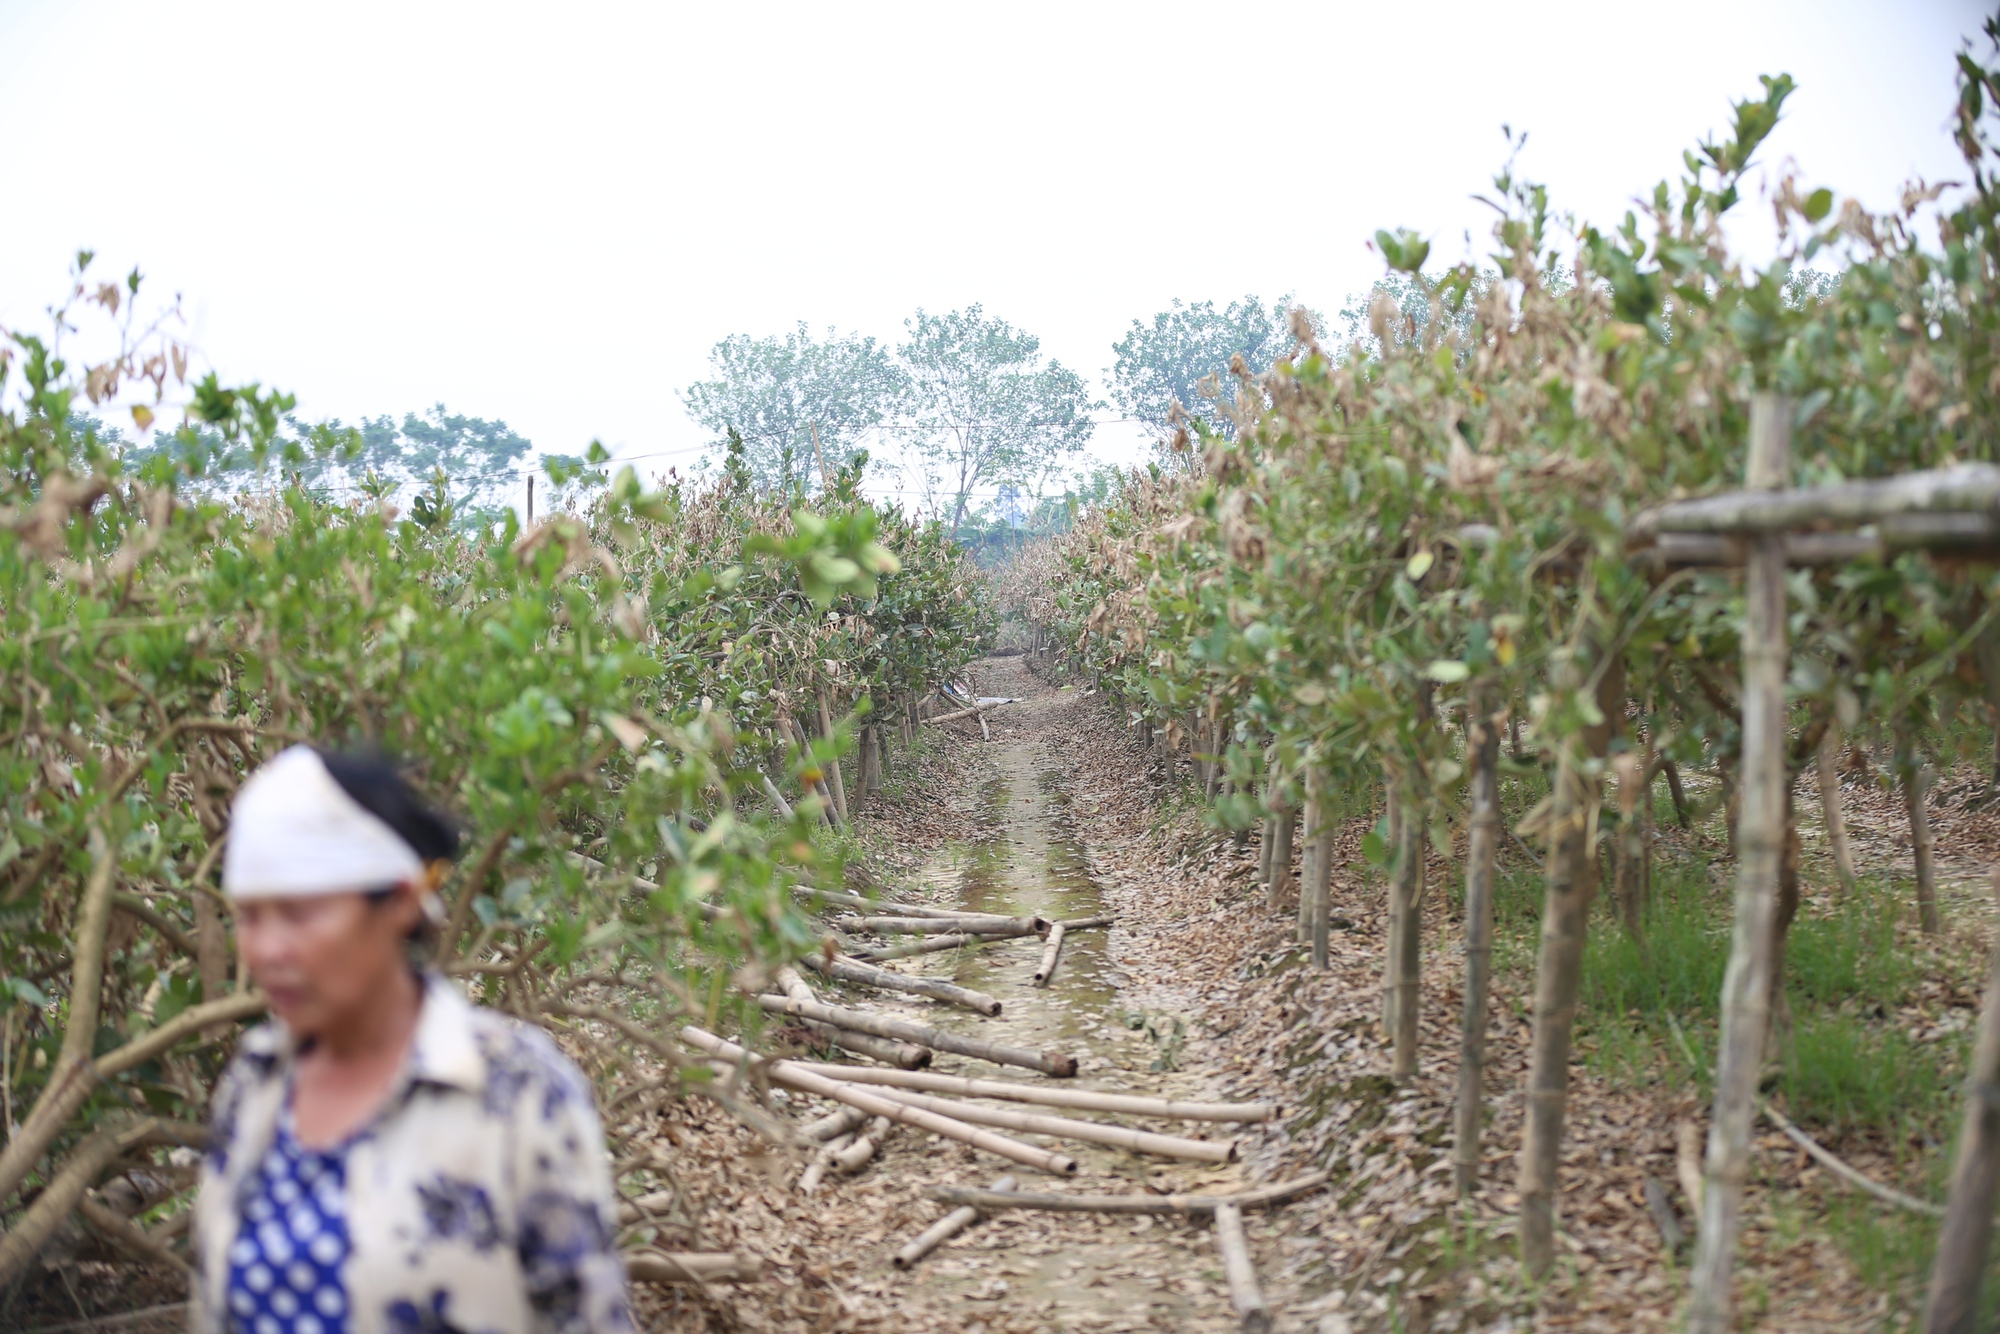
{"x": 285, "y": 1267}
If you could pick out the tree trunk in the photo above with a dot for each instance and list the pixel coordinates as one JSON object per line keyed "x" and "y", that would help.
{"x": 1677, "y": 792}
{"x": 1316, "y": 890}
{"x": 1975, "y": 1178}
{"x": 1308, "y": 858}
{"x": 1913, "y": 772}
{"x": 1572, "y": 882}
{"x": 1392, "y": 810}
{"x": 833, "y": 768}
{"x": 1407, "y": 931}
{"x": 1631, "y": 847}
{"x": 1833, "y": 812}
{"x": 871, "y": 761}
{"x": 1282, "y": 889}
{"x": 1267, "y": 839}
{"x": 1746, "y": 985}
{"x": 1482, "y": 745}
{"x": 211, "y": 940}
{"x": 1780, "y": 1032}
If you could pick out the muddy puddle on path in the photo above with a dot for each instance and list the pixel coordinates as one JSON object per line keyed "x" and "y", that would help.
{"x": 1057, "y": 1271}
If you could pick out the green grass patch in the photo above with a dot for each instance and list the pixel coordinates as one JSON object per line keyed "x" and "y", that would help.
{"x": 1843, "y": 1073}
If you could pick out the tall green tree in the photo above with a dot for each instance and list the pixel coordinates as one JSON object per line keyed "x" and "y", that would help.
{"x": 779, "y": 393}
{"x": 1164, "y": 362}
{"x": 987, "y": 410}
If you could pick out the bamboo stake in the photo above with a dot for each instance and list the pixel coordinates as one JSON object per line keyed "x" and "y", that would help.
{"x": 1057, "y": 1064}
{"x": 1482, "y": 847}
{"x": 822, "y": 1162}
{"x": 1084, "y": 1100}
{"x": 902, "y": 1055}
{"x": 834, "y": 1123}
{"x": 1051, "y": 951}
{"x": 935, "y": 926}
{"x": 791, "y": 1075}
{"x": 691, "y": 1267}
{"x": 1086, "y": 923}
{"x": 1975, "y": 1177}
{"x": 1746, "y": 986}
{"x": 1089, "y": 1132}
{"x": 1833, "y": 810}
{"x": 938, "y": 1233}
{"x": 846, "y": 970}
{"x": 1571, "y": 879}
{"x": 1262, "y": 1197}
{"x": 1244, "y": 1294}
{"x": 856, "y": 1155}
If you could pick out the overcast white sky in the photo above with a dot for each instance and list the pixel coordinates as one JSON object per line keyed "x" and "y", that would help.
{"x": 547, "y": 214}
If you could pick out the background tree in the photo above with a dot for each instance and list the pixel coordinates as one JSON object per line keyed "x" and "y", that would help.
{"x": 776, "y": 392}
{"x": 1168, "y": 359}
{"x": 987, "y": 409}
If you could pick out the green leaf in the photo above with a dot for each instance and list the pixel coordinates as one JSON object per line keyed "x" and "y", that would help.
{"x": 1818, "y": 204}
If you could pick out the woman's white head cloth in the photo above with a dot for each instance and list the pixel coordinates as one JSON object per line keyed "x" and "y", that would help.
{"x": 294, "y": 831}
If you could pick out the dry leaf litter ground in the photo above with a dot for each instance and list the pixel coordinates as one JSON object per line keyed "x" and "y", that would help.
{"x": 1200, "y": 992}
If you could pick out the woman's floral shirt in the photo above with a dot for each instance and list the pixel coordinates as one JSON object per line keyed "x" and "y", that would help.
{"x": 477, "y": 1202}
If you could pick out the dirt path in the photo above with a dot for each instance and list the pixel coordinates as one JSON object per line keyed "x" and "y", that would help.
{"x": 1032, "y": 1271}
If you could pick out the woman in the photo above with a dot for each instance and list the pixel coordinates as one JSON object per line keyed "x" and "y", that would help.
{"x": 385, "y": 1158}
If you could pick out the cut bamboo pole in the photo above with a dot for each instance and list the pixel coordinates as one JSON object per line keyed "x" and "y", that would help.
{"x": 865, "y": 1146}
{"x": 1244, "y": 1294}
{"x": 929, "y": 945}
{"x": 1975, "y": 1177}
{"x": 791, "y": 1075}
{"x": 1083, "y": 1100}
{"x": 846, "y": 970}
{"x": 822, "y": 1162}
{"x": 1088, "y": 923}
{"x": 834, "y": 1123}
{"x": 1833, "y": 810}
{"x": 937, "y": 926}
{"x": 691, "y": 1267}
{"x": 942, "y": 1231}
{"x": 1263, "y": 1197}
{"x": 967, "y": 713}
{"x": 1051, "y": 951}
{"x": 1746, "y": 985}
{"x": 1090, "y": 1132}
{"x": 902, "y": 1055}
{"x": 1482, "y": 846}
{"x": 1057, "y": 1064}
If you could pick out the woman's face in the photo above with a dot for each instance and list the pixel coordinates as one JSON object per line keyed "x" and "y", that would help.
{"x": 324, "y": 957}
